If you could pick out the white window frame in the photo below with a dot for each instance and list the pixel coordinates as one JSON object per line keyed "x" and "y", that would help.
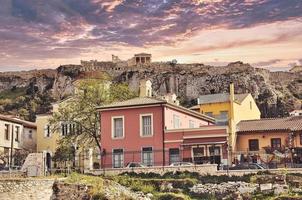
{"x": 142, "y": 159}
{"x": 141, "y": 124}
{"x": 112, "y": 127}
{"x": 8, "y": 126}
{"x": 174, "y": 121}
{"x": 191, "y": 124}
{"x": 45, "y": 133}
{"x": 123, "y": 163}
{"x": 17, "y": 130}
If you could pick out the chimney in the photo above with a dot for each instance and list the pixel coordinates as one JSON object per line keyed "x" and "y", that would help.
{"x": 232, "y": 93}
{"x": 145, "y": 88}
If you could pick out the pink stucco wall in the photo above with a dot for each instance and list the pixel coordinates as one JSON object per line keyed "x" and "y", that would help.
{"x": 184, "y": 119}
{"x": 132, "y": 142}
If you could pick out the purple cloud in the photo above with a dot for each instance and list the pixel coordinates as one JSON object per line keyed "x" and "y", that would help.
{"x": 34, "y": 29}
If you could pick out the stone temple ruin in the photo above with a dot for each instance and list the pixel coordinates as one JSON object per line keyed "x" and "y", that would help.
{"x": 137, "y": 61}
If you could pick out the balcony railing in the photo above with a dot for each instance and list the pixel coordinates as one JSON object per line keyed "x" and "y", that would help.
{"x": 221, "y": 120}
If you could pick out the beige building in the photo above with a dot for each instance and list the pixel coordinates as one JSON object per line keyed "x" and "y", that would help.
{"x": 48, "y": 138}
{"x": 279, "y": 139}
{"x": 15, "y": 135}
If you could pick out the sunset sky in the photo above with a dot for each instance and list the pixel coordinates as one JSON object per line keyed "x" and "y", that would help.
{"x": 48, "y": 33}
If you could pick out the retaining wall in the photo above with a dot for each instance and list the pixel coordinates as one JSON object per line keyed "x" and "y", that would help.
{"x": 26, "y": 189}
{"x": 202, "y": 169}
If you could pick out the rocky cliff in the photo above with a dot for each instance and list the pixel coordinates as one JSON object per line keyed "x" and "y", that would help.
{"x": 276, "y": 93}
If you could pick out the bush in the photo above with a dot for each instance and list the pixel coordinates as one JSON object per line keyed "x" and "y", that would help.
{"x": 96, "y": 165}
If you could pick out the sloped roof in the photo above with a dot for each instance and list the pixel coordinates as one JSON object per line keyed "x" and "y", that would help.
{"x": 17, "y": 121}
{"x": 144, "y": 101}
{"x": 272, "y": 124}
{"x": 142, "y": 54}
{"x": 221, "y": 97}
{"x": 138, "y": 101}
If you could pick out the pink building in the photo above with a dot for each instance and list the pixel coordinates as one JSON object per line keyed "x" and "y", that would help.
{"x": 155, "y": 132}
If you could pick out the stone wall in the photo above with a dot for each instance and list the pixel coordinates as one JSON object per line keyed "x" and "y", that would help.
{"x": 34, "y": 164}
{"x": 64, "y": 191}
{"x": 13, "y": 174}
{"x": 26, "y": 189}
{"x": 202, "y": 169}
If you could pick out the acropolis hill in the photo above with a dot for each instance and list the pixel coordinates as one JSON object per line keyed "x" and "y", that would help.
{"x": 276, "y": 93}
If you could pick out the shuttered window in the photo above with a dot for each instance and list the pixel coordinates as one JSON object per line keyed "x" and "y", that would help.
{"x": 47, "y": 131}
{"x": 118, "y": 127}
{"x": 118, "y": 158}
{"x": 146, "y": 124}
{"x": 147, "y": 156}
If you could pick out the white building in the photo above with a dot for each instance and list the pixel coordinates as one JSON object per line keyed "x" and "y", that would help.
{"x": 15, "y": 135}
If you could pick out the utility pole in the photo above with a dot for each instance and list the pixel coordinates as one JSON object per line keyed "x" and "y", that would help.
{"x": 11, "y": 148}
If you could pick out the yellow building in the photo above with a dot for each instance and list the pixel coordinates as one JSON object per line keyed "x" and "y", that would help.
{"x": 48, "y": 139}
{"x": 228, "y": 109}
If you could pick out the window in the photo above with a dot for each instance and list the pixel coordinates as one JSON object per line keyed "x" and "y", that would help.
{"x": 224, "y": 115}
{"x": 30, "y": 134}
{"x": 6, "y": 132}
{"x": 251, "y": 105}
{"x": 147, "y": 156}
{"x": 276, "y": 143}
{"x": 198, "y": 151}
{"x": 214, "y": 151}
{"x": 191, "y": 124}
{"x": 69, "y": 128}
{"x": 254, "y": 145}
{"x": 223, "y": 118}
{"x": 118, "y": 127}
{"x": 174, "y": 155}
{"x": 146, "y": 125}
{"x": 210, "y": 114}
{"x": 118, "y": 158}
{"x": 17, "y": 133}
{"x": 176, "y": 121}
{"x": 47, "y": 132}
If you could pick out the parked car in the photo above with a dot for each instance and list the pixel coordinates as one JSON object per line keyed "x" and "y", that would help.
{"x": 248, "y": 166}
{"x": 178, "y": 164}
{"x": 134, "y": 165}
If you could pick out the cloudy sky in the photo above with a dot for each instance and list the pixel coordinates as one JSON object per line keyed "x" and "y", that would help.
{"x": 47, "y": 33}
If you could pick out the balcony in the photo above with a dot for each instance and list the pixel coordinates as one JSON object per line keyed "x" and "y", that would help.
{"x": 221, "y": 120}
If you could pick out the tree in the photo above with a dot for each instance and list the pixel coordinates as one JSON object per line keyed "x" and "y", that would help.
{"x": 64, "y": 153}
{"x": 77, "y": 116}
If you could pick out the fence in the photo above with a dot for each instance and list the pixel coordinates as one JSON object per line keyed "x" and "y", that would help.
{"x": 277, "y": 158}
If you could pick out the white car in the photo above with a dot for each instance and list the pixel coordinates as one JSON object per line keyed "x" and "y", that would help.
{"x": 134, "y": 165}
{"x": 178, "y": 164}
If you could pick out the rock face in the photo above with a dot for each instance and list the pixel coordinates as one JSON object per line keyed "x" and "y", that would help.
{"x": 276, "y": 93}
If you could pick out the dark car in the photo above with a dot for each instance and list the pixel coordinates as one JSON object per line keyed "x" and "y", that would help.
{"x": 247, "y": 166}
{"x": 134, "y": 165}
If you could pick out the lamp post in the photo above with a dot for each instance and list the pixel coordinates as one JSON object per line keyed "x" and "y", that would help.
{"x": 74, "y": 145}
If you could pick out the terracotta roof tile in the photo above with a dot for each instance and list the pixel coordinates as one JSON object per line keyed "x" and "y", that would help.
{"x": 272, "y": 124}
{"x": 133, "y": 102}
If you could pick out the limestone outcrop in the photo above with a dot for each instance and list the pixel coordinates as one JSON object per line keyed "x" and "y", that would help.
{"x": 276, "y": 93}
